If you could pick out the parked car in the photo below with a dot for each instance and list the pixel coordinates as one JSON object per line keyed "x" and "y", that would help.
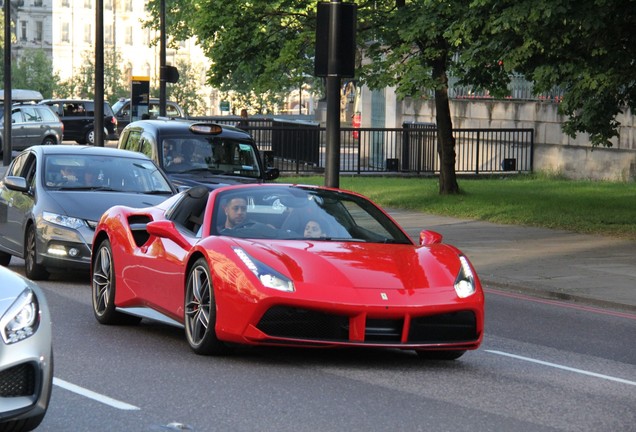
{"x": 198, "y": 153}
{"x": 52, "y": 197}
{"x": 251, "y": 269}
{"x": 26, "y": 353}
{"x": 122, "y": 111}
{"x": 31, "y": 124}
{"x": 78, "y": 116}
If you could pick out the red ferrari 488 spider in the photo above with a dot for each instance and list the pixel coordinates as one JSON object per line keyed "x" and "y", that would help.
{"x": 289, "y": 265}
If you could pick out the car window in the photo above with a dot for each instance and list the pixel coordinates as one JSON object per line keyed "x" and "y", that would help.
{"x": 219, "y": 155}
{"x": 132, "y": 141}
{"x": 47, "y": 115}
{"x": 107, "y": 110}
{"x": 17, "y": 165}
{"x": 172, "y": 111}
{"x": 78, "y": 172}
{"x": 16, "y": 116}
{"x": 31, "y": 114}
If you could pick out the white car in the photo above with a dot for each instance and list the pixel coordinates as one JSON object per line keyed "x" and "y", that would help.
{"x": 26, "y": 353}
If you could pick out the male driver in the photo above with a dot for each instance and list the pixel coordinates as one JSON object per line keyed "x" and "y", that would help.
{"x": 235, "y": 213}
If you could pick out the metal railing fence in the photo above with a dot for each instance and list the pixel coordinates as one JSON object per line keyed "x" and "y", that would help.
{"x": 300, "y": 147}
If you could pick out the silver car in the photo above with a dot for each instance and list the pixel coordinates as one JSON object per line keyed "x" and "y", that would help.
{"x": 52, "y": 197}
{"x": 32, "y": 125}
{"x": 26, "y": 353}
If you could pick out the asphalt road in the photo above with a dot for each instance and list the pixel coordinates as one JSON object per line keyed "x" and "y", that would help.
{"x": 543, "y": 366}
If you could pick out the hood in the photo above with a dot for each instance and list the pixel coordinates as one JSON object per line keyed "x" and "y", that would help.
{"x": 361, "y": 265}
{"x": 211, "y": 181}
{"x": 91, "y": 205}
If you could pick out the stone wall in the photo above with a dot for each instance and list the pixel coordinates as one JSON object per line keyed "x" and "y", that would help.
{"x": 554, "y": 151}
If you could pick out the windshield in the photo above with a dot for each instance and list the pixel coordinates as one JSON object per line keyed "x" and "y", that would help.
{"x": 295, "y": 212}
{"x": 92, "y": 172}
{"x": 215, "y": 155}
{"x": 117, "y": 105}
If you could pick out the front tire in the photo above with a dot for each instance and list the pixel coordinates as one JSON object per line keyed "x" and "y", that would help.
{"x": 5, "y": 259}
{"x": 32, "y": 269}
{"x": 49, "y": 141}
{"x": 200, "y": 311}
{"x": 90, "y": 137}
{"x": 103, "y": 288}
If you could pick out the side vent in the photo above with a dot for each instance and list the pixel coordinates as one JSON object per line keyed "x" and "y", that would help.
{"x": 137, "y": 224}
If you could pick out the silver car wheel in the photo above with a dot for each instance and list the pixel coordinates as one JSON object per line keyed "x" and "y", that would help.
{"x": 103, "y": 288}
{"x": 102, "y": 275}
{"x": 200, "y": 311}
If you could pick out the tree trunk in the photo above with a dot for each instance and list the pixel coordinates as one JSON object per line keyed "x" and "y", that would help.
{"x": 445, "y": 139}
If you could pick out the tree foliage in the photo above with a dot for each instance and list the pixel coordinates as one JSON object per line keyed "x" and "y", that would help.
{"x": 587, "y": 47}
{"x": 184, "y": 92}
{"x": 82, "y": 83}
{"x": 34, "y": 71}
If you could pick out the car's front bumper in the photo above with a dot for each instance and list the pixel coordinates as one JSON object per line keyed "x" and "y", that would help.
{"x": 26, "y": 372}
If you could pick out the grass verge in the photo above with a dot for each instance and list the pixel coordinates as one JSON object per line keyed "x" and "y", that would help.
{"x": 592, "y": 207}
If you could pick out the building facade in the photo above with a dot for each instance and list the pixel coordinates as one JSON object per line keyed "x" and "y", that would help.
{"x": 66, "y": 30}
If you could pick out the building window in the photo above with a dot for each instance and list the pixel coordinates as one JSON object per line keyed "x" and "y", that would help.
{"x": 88, "y": 4}
{"x": 23, "y": 30}
{"x": 65, "y": 36}
{"x": 37, "y": 2}
{"x": 66, "y": 3}
{"x": 88, "y": 33}
{"x": 129, "y": 36}
{"x": 108, "y": 4}
{"x": 128, "y": 7}
{"x": 108, "y": 34}
{"x": 39, "y": 30}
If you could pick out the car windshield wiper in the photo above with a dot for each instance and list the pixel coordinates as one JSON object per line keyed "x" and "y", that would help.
{"x": 87, "y": 188}
{"x": 157, "y": 192}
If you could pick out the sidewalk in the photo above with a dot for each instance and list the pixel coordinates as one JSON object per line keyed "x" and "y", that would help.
{"x": 592, "y": 270}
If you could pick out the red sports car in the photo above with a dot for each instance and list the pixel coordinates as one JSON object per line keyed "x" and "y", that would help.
{"x": 289, "y": 265}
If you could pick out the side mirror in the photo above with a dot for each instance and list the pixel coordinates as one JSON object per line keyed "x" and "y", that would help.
{"x": 18, "y": 184}
{"x": 428, "y": 238}
{"x": 272, "y": 173}
{"x": 166, "y": 229}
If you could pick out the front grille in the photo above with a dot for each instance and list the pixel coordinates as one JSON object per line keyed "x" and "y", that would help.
{"x": 451, "y": 327}
{"x": 297, "y": 323}
{"x": 306, "y": 324}
{"x": 18, "y": 381}
{"x": 383, "y": 330}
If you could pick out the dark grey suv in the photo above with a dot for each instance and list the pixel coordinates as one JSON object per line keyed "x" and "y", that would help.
{"x": 196, "y": 153}
{"x": 31, "y": 124}
{"x": 78, "y": 116}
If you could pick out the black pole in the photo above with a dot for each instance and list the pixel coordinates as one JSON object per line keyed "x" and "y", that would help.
{"x": 98, "y": 124}
{"x": 332, "y": 166}
{"x": 6, "y": 139}
{"x": 162, "y": 58}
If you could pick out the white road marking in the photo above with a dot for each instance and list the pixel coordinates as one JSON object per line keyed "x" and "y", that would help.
{"x": 92, "y": 395}
{"x": 567, "y": 368}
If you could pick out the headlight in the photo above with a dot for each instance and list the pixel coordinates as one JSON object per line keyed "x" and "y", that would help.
{"x": 22, "y": 319}
{"x": 465, "y": 281}
{"x": 65, "y": 221}
{"x": 269, "y": 277}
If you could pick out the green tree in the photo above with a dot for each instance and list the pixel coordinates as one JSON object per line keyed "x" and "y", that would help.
{"x": 34, "y": 71}
{"x": 82, "y": 82}
{"x": 586, "y": 47}
{"x": 184, "y": 92}
{"x": 415, "y": 45}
